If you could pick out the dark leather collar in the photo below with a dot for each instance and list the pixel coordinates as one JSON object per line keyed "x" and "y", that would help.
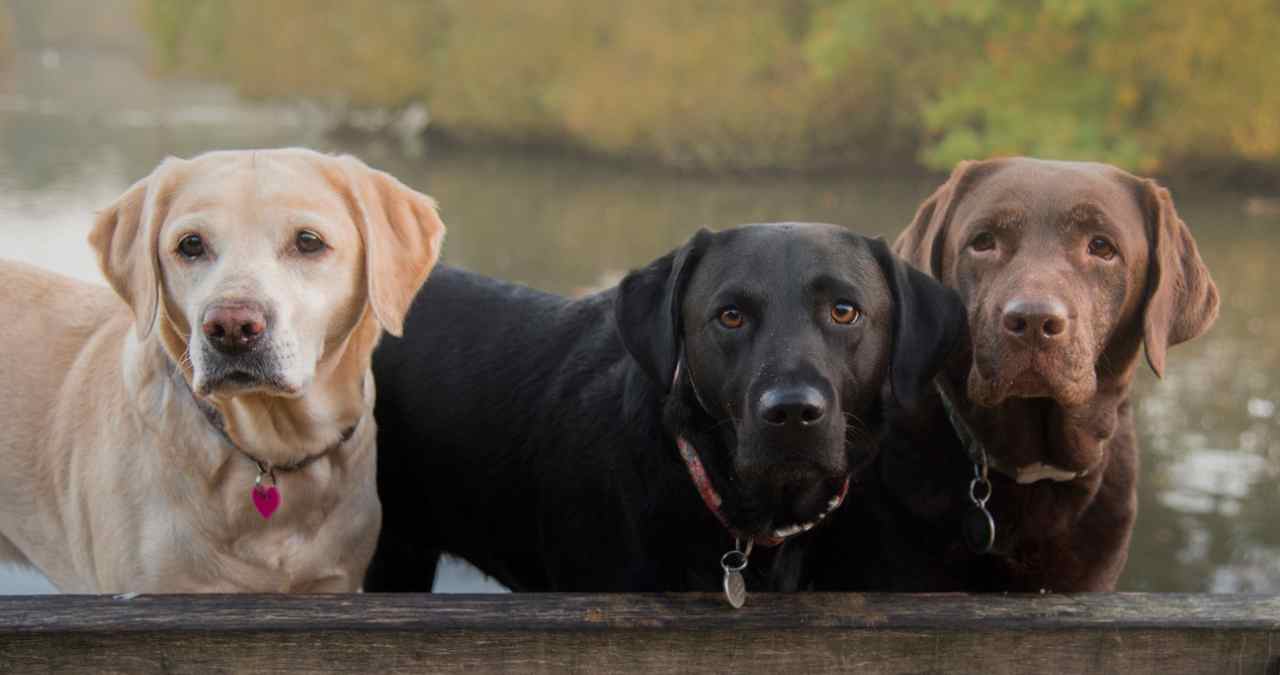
{"x": 216, "y": 421}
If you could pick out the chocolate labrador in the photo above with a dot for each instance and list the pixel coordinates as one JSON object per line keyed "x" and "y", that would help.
{"x": 626, "y": 440}
{"x": 1067, "y": 270}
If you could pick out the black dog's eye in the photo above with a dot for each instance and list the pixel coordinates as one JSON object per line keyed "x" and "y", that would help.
{"x": 191, "y": 246}
{"x": 309, "y": 242}
{"x": 730, "y": 317}
{"x": 844, "y": 312}
{"x": 985, "y": 241}
{"x": 1099, "y": 247}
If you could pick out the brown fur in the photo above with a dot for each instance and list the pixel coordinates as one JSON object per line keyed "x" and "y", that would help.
{"x": 1046, "y": 408}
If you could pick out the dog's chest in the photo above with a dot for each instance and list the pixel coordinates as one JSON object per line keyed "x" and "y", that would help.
{"x": 316, "y": 540}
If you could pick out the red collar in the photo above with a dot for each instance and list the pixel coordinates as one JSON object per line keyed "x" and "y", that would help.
{"x": 708, "y": 492}
{"x": 713, "y": 500}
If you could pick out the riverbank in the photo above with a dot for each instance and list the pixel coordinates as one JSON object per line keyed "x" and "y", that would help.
{"x": 792, "y": 85}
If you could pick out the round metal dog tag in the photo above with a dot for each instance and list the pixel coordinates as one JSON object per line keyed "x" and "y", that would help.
{"x": 735, "y": 587}
{"x": 979, "y": 530}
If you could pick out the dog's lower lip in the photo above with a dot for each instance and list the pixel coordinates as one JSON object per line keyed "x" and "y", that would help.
{"x": 797, "y": 528}
{"x": 239, "y": 381}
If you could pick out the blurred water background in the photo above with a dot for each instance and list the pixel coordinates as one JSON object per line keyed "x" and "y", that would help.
{"x": 545, "y": 191}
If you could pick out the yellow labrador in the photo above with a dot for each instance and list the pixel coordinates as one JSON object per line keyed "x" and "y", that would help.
{"x": 219, "y": 437}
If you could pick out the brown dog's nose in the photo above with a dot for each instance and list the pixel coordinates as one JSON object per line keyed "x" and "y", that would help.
{"x": 234, "y": 328}
{"x": 1035, "y": 319}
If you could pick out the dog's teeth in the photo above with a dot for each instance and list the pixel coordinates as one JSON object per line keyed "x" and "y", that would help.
{"x": 791, "y": 530}
{"x": 784, "y": 532}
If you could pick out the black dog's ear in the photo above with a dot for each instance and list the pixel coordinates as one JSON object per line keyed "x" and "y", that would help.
{"x": 647, "y": 311}
{"x": 928, "y": 323}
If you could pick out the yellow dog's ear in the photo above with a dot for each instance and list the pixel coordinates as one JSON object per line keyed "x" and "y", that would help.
{"x": 402, "y": 235}
{"x": 125, "y": 236}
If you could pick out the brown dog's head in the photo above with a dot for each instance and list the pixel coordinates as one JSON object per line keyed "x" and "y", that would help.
{"x": 1065, "y": 269}
{"x": 254, "y": 267}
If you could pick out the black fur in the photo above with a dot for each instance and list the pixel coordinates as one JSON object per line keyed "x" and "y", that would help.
{"x": 532, "y": 434}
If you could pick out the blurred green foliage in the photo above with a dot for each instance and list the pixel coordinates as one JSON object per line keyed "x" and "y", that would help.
{"x": 786, "y": 84}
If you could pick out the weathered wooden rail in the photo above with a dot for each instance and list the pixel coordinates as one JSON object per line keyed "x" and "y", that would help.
{"x": 798, "y": 633}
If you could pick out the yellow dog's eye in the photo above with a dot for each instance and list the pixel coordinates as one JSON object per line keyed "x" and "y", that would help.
{"x": 730, "y": 317}
{"x": 191, "y": 246}
{"x": 310, "y": 242}
{"x": 1099, "y": 247}
{"x": 844, "y": 312}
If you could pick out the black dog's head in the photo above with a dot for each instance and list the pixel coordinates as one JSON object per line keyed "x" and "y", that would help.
{"x": 791, "y": 339}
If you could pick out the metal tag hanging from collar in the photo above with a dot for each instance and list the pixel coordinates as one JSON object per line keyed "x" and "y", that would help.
{"x": 733, "y": 563}
{"x": 977, "y": 526}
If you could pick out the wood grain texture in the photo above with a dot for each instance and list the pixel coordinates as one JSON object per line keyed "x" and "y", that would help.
{"x": 800, "y": 633}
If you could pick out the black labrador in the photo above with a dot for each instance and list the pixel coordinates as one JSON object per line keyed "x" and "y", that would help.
{"x": 625, "y": 441}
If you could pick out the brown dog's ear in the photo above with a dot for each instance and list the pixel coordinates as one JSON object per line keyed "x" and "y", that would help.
{"x": 1181, "y": 299}
{"x": 402, "y": 235}
{"x": 923, "y": 242}
{"x": 125, "y": 236}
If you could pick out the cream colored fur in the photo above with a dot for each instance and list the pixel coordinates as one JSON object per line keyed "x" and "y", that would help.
{"x": 114, "y": 480}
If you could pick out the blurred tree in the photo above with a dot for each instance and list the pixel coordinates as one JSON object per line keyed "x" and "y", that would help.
{"x": 369, "y": 54}
{"x": 1140, "y": 83}
{"x": 788, "y": 84}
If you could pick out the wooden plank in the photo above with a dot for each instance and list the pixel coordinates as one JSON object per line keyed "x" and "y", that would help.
{"x": 677, "y": 611}
{"x": 1128, "y": 633}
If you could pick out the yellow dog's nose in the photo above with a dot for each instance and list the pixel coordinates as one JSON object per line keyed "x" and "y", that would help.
{"x": 234, "y": 328}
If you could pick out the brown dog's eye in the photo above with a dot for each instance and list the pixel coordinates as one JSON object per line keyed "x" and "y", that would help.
{"x": 985, "y": 241}
{"x": 1099, "y": 247}
{"x": 843, "y": 312}
{"x": 730, "y": 317}
{"x": 309, "y": 242}
{"x": 191, "y": 246}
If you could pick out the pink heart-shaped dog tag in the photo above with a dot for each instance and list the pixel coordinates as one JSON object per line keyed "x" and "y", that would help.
{"x": 266, "y": 498}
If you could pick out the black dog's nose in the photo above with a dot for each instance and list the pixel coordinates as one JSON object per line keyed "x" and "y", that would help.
{"x": 792, "y": 406}
{"x": 234, "y": 328}
{"x": 1035, "y": 318}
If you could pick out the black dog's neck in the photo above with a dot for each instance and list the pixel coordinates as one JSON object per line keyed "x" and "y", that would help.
{"x": 697, "y": 538}
{"x": 685, "y": 414}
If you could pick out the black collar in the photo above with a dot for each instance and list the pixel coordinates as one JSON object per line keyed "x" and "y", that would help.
{"x": 973, "y": 447}
{"x": 216, "y": 421}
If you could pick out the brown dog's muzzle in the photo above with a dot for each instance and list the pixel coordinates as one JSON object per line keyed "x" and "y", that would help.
{"x": 1032, "y": 345}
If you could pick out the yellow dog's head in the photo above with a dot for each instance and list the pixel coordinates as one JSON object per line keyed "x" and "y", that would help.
{"x": 253, "y": 266}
